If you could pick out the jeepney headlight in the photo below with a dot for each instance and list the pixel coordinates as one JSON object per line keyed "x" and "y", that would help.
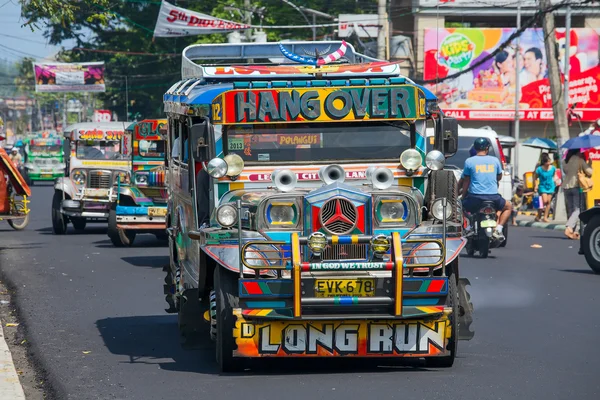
{"x": 78, "y": 177}
{"x": 391, "y": 211}
{"x": 226, "y": 215}
{"x": 217, "y": 168}
{"x": 317, "y": 242}
{"x": 141, "y": 179}
{"x": 437, "y": 209}
{"x": 235, "y": 165}
{"x": 411, "y": 159}
{"x": 380, "y": 244}
{"x": 122, "y": 177}
{"x": 282, "y": 213}
{"x": 435, "y": 160}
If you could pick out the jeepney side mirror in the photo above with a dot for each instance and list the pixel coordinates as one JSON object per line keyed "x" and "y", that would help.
{"x": 448, "y": 134}
{"x": 199, "y": 141}
{"x": 67, "y": 154}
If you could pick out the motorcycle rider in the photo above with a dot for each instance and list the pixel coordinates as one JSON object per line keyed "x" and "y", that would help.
{"x": 480, "y": 181}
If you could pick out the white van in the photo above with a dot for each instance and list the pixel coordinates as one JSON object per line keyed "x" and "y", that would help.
{"x": 466, "y": 137}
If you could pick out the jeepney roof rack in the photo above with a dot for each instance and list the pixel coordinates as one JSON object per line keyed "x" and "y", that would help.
{"x": 217, "y": 54}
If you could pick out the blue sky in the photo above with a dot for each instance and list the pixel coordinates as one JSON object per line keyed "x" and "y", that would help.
{"x": 16, "y": 41}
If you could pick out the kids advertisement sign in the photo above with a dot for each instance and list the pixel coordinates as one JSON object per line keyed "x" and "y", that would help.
{"x": 488, "y": 92}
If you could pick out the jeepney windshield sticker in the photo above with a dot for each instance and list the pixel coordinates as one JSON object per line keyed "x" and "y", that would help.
{"x": 335, "y": 104}
{"x": 98, "y": 150}
{"x": 317, "y": 141}
{"x": 152, "y": 148}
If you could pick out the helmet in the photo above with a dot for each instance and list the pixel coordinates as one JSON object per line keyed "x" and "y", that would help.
{"x": 481, "y": 144}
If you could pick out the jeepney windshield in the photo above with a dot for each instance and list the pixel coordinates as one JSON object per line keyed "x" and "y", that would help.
{"x": 98, "y": 150}
{"x": 152, "y": 148}
{"x": 43, "y": 149}
{"x": 317, "y": 141}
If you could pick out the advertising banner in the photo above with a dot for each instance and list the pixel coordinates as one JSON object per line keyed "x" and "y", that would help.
{"x": 69, "y": 77}
{"x": 488, "y": 91}
{"x": 175, "y": 21}
{"x": 364, "y": 25}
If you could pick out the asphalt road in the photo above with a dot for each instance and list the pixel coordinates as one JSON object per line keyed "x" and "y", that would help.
{"x": 95, "y": 317}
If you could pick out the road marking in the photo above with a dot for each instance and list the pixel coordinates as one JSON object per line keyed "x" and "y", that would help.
{"x": 10, "y": 386}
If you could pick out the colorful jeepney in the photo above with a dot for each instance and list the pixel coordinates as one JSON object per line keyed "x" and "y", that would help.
{"x": 304, "y": 216}
{"x": 44, "y": 157}
{"x": 141, "y": 205}
{"x": 95, "y": 166}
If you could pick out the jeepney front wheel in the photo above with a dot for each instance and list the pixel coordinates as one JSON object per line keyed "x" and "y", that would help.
{"x": 452, "y": 302}
{"x": 59, "y": 222}
{"x": 227, "y": 299}
{"x": 118, "y": 237}
{"x": 590, "y": 243}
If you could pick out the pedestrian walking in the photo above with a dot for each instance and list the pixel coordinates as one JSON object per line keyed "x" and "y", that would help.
{"x": 574, "y": 167}
{"x": 545, "y": 185}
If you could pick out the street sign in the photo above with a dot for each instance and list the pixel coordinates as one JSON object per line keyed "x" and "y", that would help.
{"x": 102, "y": 115}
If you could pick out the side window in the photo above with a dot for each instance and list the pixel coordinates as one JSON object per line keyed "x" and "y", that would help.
{"x": 184, "y": 142}
{"x": 175, "y": 140}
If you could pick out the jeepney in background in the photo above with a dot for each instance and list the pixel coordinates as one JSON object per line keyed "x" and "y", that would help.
{"x": 44, "y": 157}
{"x": 14, "y": 193}
{"x": 95, "y": 166}
{"x": 141, "y": 205}
{"x": 305, "y": 218}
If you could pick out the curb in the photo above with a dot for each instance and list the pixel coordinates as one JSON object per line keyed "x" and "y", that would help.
{"x": 10, "y": 386}
{"x": 543, "y": 225}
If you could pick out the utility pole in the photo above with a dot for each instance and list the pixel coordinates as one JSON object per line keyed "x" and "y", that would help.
{"x": 567, "y": 65}
{"x": 517, "y": 96}
{"x": 381, "y": 35}
{"x": 559, "y": 103}
{"x": 248, "y": 20}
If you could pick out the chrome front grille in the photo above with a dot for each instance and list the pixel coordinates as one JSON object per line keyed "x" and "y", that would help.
{"x": 345, "y": 252}
{"x": 338, "y": 216}
{"x": 99, "y": 180}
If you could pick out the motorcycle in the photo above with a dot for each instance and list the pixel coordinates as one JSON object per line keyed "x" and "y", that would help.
{"x": 483, "y": 223}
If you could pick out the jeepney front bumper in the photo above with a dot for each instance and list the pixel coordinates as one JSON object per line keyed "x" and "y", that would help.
{"x": 141, "y": 217}
{"x": 89, "y": 203}
{"x": 339, "y": 307}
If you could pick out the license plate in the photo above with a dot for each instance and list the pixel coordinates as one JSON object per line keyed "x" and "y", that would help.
{"x": 488, "y": 224}
{"x": 345, "y": 287}
{"x": 157, "y": 211}
{"x": 46, "y": 175}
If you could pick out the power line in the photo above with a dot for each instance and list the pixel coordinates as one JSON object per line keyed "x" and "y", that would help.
{"x": 132, "y": 53}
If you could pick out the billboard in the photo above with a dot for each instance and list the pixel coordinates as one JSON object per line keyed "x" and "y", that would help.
{"x": 176, "y": 21}
{"x": 488, "y": 91}
{"x": 69, "y": 77}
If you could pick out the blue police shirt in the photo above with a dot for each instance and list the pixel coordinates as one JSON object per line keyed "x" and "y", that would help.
{"x": 483, "y": 171}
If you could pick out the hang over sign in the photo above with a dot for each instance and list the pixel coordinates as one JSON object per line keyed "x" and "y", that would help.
{"x": 400, "y": 102}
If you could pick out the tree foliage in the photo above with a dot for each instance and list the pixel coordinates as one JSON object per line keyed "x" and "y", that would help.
{"x": 119, "y": 32}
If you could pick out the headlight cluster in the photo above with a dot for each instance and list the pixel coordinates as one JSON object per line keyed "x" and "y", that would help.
{"x": 282, "y": 214}
{"x": 411, "y": 159}
{"x": 227, "y": 215}
{"x": 391, "y": 211}
{"x": 78, "y": 176}
{"x": 437, "y": 209}
{"x": 232, "y": 166}
{"x": 122, "y": 177}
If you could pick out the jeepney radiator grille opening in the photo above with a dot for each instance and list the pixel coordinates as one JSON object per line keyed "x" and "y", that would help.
{"x": 345, "y": 252}
{"x": 99, "y": 180}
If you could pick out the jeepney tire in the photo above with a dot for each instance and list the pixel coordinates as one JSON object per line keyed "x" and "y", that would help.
{"x": 118, "y": 237}
{"x": 443, "y": 184}
{"x": 59, "y": 222}
{"x": 227, "y": 299}
{"x": 452, "y": 301}
{"x": 590, "y": 243}
{"x": 19, "y": 226}
{"x": 79, "y": 223}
